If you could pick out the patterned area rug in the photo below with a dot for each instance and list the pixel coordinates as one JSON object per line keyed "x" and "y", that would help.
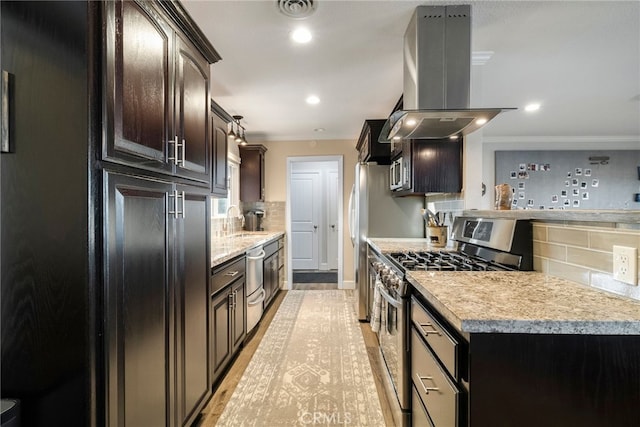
{"x": 310, "y": 368}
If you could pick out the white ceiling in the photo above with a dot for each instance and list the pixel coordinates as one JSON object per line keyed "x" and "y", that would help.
{"x": 579, "y": 59}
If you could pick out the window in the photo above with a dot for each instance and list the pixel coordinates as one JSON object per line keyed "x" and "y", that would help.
{"x": 219, "y": 206}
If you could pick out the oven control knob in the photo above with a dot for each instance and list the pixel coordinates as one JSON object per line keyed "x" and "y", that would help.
{"x": 394, "y": 282}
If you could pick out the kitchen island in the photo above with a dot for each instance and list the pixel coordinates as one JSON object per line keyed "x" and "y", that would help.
{"x": 520, "y": 348}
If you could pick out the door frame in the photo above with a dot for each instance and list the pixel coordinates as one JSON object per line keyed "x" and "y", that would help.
{"x": 340, "y": 208}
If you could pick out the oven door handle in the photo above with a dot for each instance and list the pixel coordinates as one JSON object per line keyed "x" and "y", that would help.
{"x": 391, "y": 300}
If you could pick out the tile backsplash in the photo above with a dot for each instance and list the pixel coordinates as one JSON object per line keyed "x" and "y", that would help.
{"x": 274, "y": 214}
{"x": 583, "y": 252}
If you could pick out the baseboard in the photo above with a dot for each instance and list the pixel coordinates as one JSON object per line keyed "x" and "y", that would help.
{"x": 348, "y": 284}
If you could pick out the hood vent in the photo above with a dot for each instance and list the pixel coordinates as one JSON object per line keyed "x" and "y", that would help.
{"x": 437, "y": 75}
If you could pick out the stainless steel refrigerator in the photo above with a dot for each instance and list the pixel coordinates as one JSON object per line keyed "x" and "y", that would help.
{"x": 373, "y": 212}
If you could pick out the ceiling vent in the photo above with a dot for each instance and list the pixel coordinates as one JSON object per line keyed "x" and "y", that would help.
{"x": 297, "y": 9}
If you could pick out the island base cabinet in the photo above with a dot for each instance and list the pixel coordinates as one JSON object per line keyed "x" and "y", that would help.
{"x": 554, "y": 380}
{"x": 156, "y": 288}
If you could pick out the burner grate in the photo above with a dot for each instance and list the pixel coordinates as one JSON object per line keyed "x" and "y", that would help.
{"x": 444, "y": 261}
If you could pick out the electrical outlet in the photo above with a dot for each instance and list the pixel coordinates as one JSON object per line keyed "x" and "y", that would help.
{"x": 625, "y": 264}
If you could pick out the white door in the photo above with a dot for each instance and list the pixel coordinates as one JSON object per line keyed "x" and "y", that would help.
{"x": 305, "y": 216}
{"x": 332, "y": 220}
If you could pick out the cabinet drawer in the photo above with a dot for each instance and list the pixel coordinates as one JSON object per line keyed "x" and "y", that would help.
{"x": 419, "y": 417}
{"x": 441, "y": 342}
{"x": 227, "y": 273}
{"x": 440, "y": 396}
{"x": 270, "y": 249}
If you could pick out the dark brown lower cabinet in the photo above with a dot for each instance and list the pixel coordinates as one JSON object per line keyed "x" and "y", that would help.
{"x": 156, "y": 293}
{"x": 227, "y": 315}
{"x": 524, "y": 380}
{"x": 270, "y": 272}
{"x": 192, "y": 305}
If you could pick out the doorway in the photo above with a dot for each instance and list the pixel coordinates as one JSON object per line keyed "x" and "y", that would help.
{"x": 314, "y": 219}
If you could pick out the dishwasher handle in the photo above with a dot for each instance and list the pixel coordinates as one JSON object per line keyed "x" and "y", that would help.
{"x": 260, "y": 255}
{"x": 259, "y": 299}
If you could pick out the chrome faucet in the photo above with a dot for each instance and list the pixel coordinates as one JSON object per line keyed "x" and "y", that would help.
{"x": 230, "y": 223}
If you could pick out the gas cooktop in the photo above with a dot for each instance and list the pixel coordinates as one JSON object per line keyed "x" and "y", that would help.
{"x": 444, "y": 261}
{"x": 483, "y": 244}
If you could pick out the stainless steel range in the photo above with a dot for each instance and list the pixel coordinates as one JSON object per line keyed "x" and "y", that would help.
{"x": 483, "y": 244}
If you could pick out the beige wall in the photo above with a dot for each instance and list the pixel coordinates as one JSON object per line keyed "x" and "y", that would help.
{"x": 276, "y": 177}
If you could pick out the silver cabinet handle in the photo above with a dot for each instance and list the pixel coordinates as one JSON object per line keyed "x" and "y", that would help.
{"x": 184, "y": 210}
{"x": 426, "y": 332}
{"x": 181, "y": 161}
{"x": 231, "y": 273}
{"x": 176, "y": 196}
{"x": 424, "y": 387}
{"x": 5, "y": 137}
{"x": 175, "y": 143}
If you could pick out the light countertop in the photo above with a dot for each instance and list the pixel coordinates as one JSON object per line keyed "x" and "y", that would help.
{"x": 226, "y": 248}
{"x": 520, "y": 302}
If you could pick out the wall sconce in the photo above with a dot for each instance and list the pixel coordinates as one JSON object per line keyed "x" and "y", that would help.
{"x": 603, "y": 160}
{"x": 239, "y": 134}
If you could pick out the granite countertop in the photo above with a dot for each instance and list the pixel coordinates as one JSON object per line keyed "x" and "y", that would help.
{"x": 518, "y": 302}
{"x": 226, "y": 248}
{"x": 525, "y": 302}
{"x": 391, "y": 244}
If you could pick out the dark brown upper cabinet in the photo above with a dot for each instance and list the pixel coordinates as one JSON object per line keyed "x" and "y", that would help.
{"x": 252, "y": 173}
{"x": 219, "y": 126}
{"x": 369, "y": 149}
{"x": 156, "y": 91}
{"x": 430, "y": 166}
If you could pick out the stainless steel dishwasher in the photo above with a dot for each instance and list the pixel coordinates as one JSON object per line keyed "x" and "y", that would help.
{"x": 254, "y": 286}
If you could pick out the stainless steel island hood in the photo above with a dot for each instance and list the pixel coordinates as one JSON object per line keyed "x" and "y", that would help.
{"x": 437, "y": 74}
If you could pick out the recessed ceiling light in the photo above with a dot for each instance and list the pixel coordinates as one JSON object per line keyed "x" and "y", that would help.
{"x": 313, "y": 100}
{"x": 301, "y": 35}
{"x": 481, "y": 121}
{"x": 532, "y": 107}
{"x": 318, "y": 130}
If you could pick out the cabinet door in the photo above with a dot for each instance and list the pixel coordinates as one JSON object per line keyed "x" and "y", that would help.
{"x": 192, "y": 112}
{"x": 271, "y": 277}
{"x": 219, "y": 146}
{"x": 239, "y": 314}
{"x": 221, "y": 345}
{"x": 252, "y": 173}
{"x": 138, "y": 322}
{"x": 192, "y": 303}
{"x": 138, "y": 90}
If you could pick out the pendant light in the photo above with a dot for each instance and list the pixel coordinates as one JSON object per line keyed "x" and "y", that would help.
{"x": 239, "y": 134}
{"x": 231, "y": 133}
